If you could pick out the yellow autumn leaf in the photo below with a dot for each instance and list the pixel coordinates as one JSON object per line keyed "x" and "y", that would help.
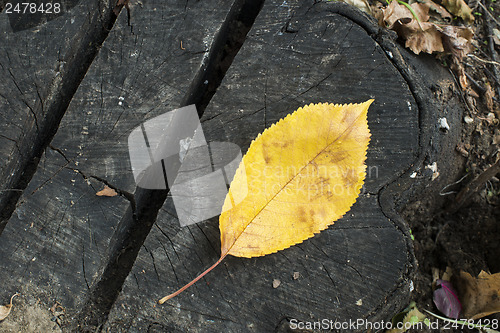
{"x": 300, "y": 175}
{"x": 303, "y": 173}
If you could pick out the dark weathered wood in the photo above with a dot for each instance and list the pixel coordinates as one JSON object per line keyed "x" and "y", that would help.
{"x": 137, "y": 221}
{"x": 295, "y": 54}
{"x": 59, "y": 220}
{"x": 36, "y": 94}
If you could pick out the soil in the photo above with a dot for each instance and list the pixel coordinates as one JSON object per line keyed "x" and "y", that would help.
{"x": 467, "y": 239}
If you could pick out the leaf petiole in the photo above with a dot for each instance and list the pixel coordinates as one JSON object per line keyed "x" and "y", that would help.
{"x": 166, "y": 298}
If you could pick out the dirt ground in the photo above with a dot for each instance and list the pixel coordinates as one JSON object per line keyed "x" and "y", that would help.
{"x": 469, "y": 238}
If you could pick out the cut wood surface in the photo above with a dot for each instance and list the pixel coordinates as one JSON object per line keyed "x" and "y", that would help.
{"x": 63, "y": 243}
{"x": 59, "y": 235}
{"x": 322, "y": 57}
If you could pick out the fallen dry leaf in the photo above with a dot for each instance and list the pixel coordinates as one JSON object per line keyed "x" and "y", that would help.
{"x": 488, "y": 96}
{"x": 456, "y": 40}
{"x": 301, "y": 174}
{"x": 420, "y": 35}
{"x": 480, "y": 296}
{"x": 427, "y": 40}
{"x": 459, "y": 70}
{"x": 446, "y": 300}
{"x": 378, "y": 12}
{"x": 5, "y": 309}
{"x": 459, "y": 8}
{"x": 496, "y": 36}
{"x": 411, "y": 318}
{"x": 395, "y": 12}
{"x": 439, "y": 9}
{"x": 107, "y": 192}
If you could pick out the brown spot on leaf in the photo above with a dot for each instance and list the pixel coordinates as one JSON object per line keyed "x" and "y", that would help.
{"x": 284, "y": 144}
{"x": 350, "y": 177}
{"x": 337, "y": 157}
{"x": 265, "y": 154}
{"x": 301, "y": 213}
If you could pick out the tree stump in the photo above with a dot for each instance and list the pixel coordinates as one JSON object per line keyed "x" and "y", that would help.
{"x": 75, "y": 85}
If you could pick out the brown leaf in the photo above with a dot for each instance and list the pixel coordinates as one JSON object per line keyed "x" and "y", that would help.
{"x": 395, "y": 12}
{"x": 411, "y": 318}
{"x": 456, "y": 40}
{"x": 480, "y": 296}
{"x": 5, "y": 309}
{"x": 420, "y": 36}
{"x": 496, "y": 36}
{"x": 462, "y": 78}
{"x": 427, "y": 40}
{"x": 378, "y": 13}
{"x": 488, "y": 96}
{"x": 459, "y": 8}
{"x": 439, "y": 9}
{"x": 106, "y": 192}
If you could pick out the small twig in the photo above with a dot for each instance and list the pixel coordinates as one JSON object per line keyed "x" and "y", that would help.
{"x": 182, "y": 48}
{"x": 475, "y": 83}
{"x": 478, "y": 86}
{"x": 474, "y": 186}
{"x": 470, "y": 108}
{"x": 485, "y": 61}
{"x": 450, "y": 185}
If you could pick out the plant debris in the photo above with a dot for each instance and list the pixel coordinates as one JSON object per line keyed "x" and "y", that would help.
{"x": 480, "y": 296}
{"x": 459, "y": 8}
{"x": 412, "y": 23}
{"x": 5, "y": 309}
{"x": 408, "y": 318}
{"x": 446, "y": 300}
{"x": 107, "y": 192}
